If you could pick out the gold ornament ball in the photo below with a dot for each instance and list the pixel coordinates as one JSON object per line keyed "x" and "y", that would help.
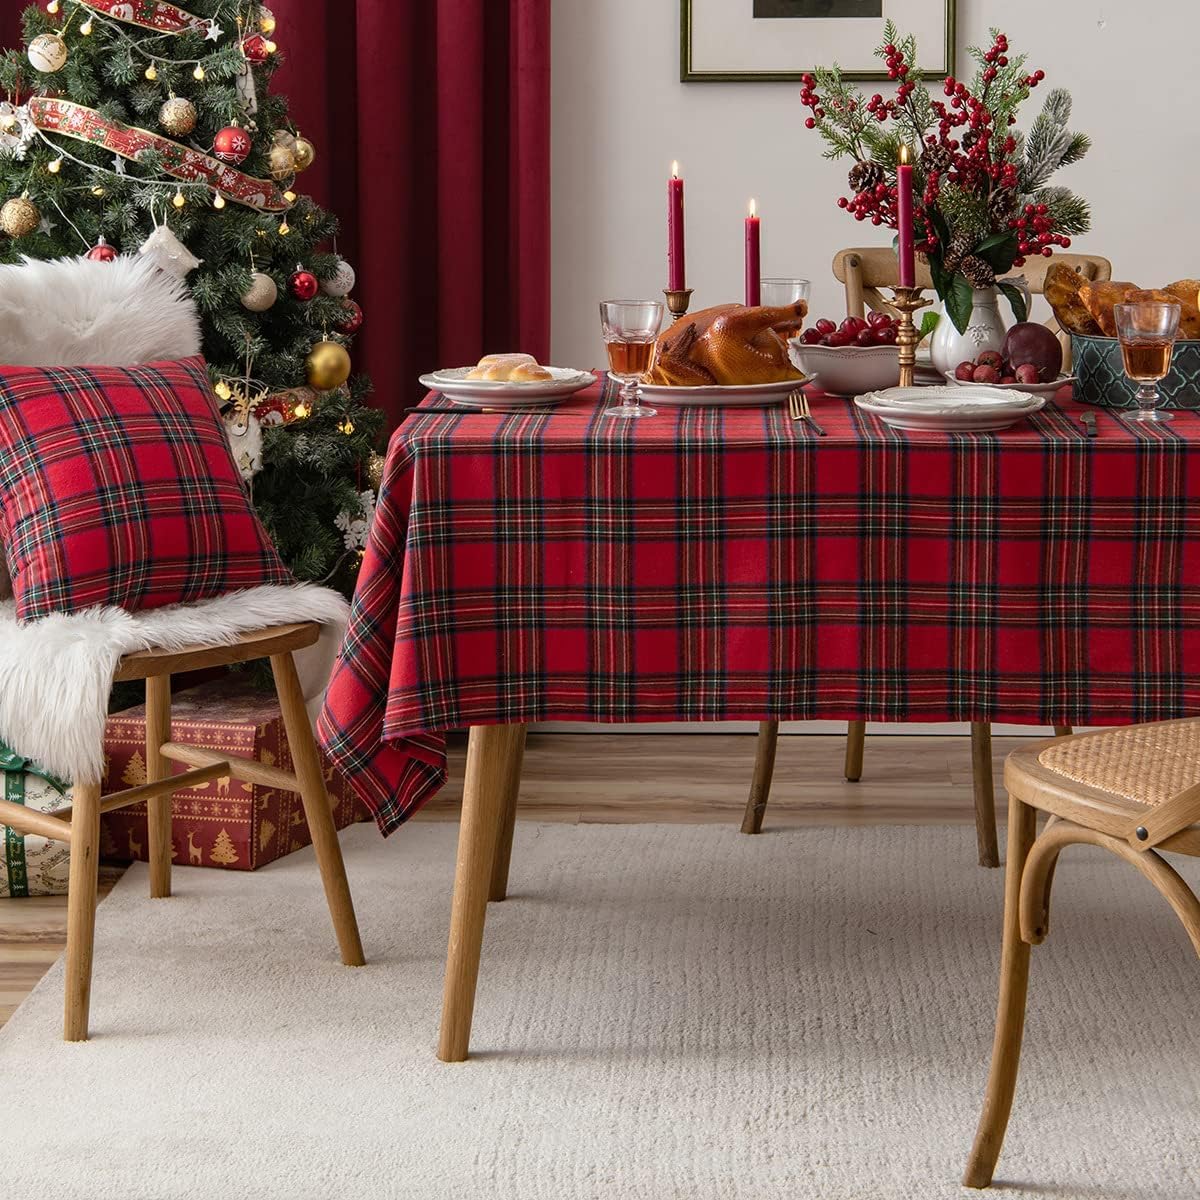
{"x": 283, "y": 162}
{"x": 328, "y": 366}
{"x": 178, "y": 116}
{"x": 261, "y": 294}
{"x": 305, "y": 153}
{"x": 19, "y": 216}
{"x": 47, "y": 53}
{"x": 375, "y": 465}
{"x": 266, "y": 21}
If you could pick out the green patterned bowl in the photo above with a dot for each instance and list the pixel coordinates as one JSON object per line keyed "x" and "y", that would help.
{"x": 1096, "y": 361}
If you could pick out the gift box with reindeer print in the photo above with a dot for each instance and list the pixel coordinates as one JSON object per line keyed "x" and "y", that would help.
{"x": 224, "y": 823}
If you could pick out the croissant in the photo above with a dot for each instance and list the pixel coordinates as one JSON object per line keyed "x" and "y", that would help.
{"x": 728, "y": 345}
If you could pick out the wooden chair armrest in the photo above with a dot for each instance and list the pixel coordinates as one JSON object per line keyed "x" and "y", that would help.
{"x": 1165, "y": 820}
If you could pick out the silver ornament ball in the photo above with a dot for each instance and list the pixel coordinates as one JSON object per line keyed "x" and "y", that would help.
{"x": 342, "y": 281}
{"x": 261, "y": 294}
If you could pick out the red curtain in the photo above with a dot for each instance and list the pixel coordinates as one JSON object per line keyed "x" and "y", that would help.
{"x": 10, "y": 22}
{"x": 431, "y": 120}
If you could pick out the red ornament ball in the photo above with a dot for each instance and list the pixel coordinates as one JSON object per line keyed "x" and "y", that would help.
{"x": 303, "y": 285}
{"x": 255, "y": 48}
{"x": 352, "y": 320}
{"x": 102, "y": 252}
{"x": 232, "y": 145}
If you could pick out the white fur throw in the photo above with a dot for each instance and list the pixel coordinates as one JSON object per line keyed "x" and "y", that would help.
{"x": 56, "y": 673}
{"x": 75, "y": 312}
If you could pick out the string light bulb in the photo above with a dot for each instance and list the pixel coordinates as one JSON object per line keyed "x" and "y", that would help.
{"x": 97, "y": 190}
{"x": 284, "y": 228}
{"x": 179, "y": 200}
{"x": 300, "y": 411}
{"x": 347, "y": 427}
{"x": 290, "y": 196}
{"x": 218, "y": 200}
{"x": 269, "y": 46}
{"x": 152, "y": 72}
{"x": 87, "y": 27}
{"x": 52, "y": 7}
{"x": 55, "y": 166}
{"x": 224, "y": 391}
{"x": 198, "y": 73}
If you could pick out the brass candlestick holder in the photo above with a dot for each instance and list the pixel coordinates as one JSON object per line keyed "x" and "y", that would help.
{"x": 907, "y": 301}
{"x": 678, "y": 302}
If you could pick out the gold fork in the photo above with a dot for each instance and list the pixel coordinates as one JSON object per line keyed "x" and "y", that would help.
{"x": 798, "y": 410}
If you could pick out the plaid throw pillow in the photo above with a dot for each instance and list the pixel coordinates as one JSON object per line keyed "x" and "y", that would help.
{"x": 117, "y": 486}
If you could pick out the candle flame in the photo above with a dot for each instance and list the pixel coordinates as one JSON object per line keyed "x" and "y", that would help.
{"x": 674, "y": 170}
{"x": 904, "y": 152}
{"x": 753, "y": 208}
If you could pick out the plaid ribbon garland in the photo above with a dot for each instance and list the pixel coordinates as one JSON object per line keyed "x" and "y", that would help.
{"x": 712, "y": 565}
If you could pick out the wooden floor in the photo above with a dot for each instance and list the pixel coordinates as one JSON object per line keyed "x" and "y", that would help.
{"x": 684, "y": 778}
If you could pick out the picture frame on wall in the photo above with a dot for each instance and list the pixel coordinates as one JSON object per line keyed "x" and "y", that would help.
{"x": 777, "y": 41}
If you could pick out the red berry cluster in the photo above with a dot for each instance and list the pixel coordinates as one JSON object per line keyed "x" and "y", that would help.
{"x": 1035, "y": 231}
{"x": 810, "y": 99}
{"x": 877, "y": 204}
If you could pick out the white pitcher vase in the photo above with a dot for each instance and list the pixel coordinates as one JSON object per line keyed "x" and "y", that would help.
{"x": 985, "y": 329}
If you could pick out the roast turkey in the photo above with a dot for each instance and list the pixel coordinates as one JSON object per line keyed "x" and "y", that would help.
{"x": 728, "y": 344}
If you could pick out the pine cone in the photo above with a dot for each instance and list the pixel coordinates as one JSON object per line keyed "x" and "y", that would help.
{"x": 1002, "y": 204}
{"x": 865, "y": 176}
{"x": 978, "y": 273}
{"x": 937, "y": 158}
{"x": 961, "y": 245}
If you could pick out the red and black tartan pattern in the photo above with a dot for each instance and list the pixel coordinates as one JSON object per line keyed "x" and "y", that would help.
{"x": 711, "y": 565}
{"x": 118, "y": 486}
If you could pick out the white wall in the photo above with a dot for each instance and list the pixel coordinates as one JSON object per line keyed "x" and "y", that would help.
{"x": 621, "y": 115}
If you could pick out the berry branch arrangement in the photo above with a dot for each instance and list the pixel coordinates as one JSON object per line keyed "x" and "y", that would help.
{"x": 985, "y": 201}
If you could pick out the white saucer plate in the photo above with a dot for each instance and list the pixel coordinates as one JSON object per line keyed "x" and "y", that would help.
{"x": 946, "y": 409}
{"x": 487, "y": 393}
{"x": 1033, "y": 389}
{"x": 750, "y": 395}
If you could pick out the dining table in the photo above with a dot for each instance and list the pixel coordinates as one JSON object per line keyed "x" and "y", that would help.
{"x": 731, "y": 564}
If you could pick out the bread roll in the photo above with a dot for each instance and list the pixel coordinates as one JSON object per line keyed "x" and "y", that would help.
{"x": 499, "y": 367}
{"x": 530, "y": 373}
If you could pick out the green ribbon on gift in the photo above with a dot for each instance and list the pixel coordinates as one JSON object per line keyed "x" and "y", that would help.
{"x": 15, "y": 769}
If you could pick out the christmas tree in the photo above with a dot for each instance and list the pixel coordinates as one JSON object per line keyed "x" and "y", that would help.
{"x": 223, "y": 850}
{"x": 145, "y": 126}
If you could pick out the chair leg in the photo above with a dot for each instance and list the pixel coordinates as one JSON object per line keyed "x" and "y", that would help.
{"x": 512, "y": 788}
{"x": 158, "y": 810}
{"x": 764, "y": 769}
{"x": 81, "y": 908}
{"x": 1010, "y": 1011}
{"x": 985, "y": 795}
{"x": 307, "y": 763}
{"x": 856, "y": 736}
{"x": 1062, "y": 731}
{"x": 490, "y": 751}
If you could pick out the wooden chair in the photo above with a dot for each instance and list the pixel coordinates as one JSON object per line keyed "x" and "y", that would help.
{"x": 864, "y": 271}
{"x": 80, "y": 824}
{"x": 1131, "y": 791}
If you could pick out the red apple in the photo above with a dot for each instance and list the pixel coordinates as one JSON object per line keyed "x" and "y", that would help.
{"x": 986, "y": 373}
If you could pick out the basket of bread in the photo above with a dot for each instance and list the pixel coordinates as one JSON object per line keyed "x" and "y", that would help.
{"x": 1085, "y": 311}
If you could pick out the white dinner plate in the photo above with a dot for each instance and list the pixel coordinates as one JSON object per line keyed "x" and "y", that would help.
{"x": 489, "y": 393}
{"x": 946, "y": 409}
{"x": 1033, "y": 389}
{"x": 750, "y": 395}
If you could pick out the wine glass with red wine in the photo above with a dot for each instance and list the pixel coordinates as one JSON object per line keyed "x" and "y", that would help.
{"x": 1147, "y": 330}
{"x": 630, "y": 330}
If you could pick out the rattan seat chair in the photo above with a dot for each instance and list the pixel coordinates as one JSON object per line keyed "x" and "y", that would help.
{"x": 1133, "y": 791}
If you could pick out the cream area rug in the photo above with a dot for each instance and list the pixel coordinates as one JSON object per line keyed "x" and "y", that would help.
{"x": 663, "y": 1012}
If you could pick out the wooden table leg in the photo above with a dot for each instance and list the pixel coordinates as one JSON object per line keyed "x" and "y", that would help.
{"x": 856, "y": 736}
{"x": 985, "y": 794}
{"x": 158, "y": 810}
{"x": 512, "y": 788}
{"x": 764, "y": 768}
{"x": 490, "y": 752}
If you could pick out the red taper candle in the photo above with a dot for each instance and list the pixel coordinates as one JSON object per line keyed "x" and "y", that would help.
{"x": 676, "y": 269}
{"x": 753, "y": 257}
{"x": 906, "y": 247}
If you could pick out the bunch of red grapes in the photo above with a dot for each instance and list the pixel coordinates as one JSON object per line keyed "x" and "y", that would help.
{"x": 877, "y": 330}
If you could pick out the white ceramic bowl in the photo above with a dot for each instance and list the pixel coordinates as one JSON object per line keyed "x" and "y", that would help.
{"x": 848, "y": 370}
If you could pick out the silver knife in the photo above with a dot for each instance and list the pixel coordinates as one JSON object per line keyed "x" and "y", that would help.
{"x": 1089, "y": 423}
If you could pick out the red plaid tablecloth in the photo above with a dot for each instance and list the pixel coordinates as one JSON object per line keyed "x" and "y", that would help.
{"x": 711, "y": 565}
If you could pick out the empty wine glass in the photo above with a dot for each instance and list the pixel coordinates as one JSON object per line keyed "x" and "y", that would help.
{"x": 1147, "y": 332}
{"x": 630, "y": 331}
{"x": 777, "y": 293}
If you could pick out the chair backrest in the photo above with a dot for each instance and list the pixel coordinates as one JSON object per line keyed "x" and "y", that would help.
{"x": 864, "y": 270}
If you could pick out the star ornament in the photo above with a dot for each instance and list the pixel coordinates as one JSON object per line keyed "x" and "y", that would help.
{"x": 119, "y": 164}
{"x": 215, "y": 32}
